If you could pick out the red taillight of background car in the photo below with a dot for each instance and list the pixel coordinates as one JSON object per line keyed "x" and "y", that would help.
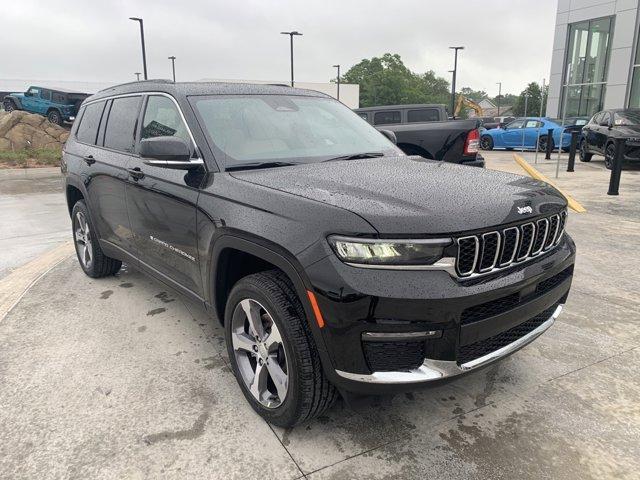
{"x": 472, "y": 143}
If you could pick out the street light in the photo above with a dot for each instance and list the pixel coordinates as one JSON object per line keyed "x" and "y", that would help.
{"x": 499, "y": 96}
{"x": 144, "y": 53}
{"x": 338, "y": 82}
{"x": 453, "y": 113}
{"x": 455, "y": 71}
{"x": 173, "y": 67}
{"x": 291, "y": 35}
{"x": 137, "y": 74}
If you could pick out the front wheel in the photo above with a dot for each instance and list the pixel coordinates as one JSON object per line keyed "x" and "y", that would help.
{"x": 585, "y": 156}
{"x": 92, "y": 260}
{"x": 54, "y": 117}
{"x": 486, "y": 143}
{"x": 609, "y": 156}
{"x": 272, "y": 351}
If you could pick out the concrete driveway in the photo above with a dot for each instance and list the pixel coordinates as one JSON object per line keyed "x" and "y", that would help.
{"x": 121, "y": 378}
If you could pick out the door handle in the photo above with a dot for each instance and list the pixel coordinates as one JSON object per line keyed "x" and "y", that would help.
{"x": 135, "y": 173}
{"x": 89, "y": 160}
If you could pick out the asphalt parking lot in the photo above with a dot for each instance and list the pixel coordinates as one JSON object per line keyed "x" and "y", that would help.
{"x": 122, "y": 378}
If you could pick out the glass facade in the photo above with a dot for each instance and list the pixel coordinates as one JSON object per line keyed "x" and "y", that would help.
{"x": 634, "y": 94}
{"x": 586, "y": 66}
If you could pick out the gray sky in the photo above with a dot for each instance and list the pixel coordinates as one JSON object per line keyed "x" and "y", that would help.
{"x": 87, "y": 40}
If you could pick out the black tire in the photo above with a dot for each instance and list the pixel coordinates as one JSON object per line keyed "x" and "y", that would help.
{"x": 584, "y": 155}
{"x": 54, "y": 117}
{"x": 486, "y": 142}
{"x": 96, "y": 264}
{"x": 308, "y": 393}
{"x": 609, "y": 155}
{"x": 542, "y": 143}
{"x": 9, "y": 106}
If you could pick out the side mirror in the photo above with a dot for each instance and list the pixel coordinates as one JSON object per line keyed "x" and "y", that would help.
{"x": 167, "y": 152}
{"x": 390, "y": 135}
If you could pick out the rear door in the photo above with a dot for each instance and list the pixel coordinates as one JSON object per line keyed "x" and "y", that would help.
{"x": 107, "y": 167}
{"x": 31, "y": 100}
{"x": 162, "y": 202}
{"x": 531, "y": 128}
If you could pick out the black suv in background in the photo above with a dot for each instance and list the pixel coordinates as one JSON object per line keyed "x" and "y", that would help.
{"x": 600, "y": 134}
{"x": 335, "y": 262}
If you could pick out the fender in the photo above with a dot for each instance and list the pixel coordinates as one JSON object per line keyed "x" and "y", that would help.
{"x": 15, "y": 99}
{"x": 274, "y": 254}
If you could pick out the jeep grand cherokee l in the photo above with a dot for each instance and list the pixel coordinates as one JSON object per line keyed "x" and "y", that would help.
{"x": 335, "y": 262}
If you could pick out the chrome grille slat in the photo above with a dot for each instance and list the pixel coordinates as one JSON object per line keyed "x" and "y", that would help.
{"x": 498, "y": 249}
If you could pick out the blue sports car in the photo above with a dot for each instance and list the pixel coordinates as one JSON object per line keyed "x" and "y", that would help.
{"x": 524, "y": 131}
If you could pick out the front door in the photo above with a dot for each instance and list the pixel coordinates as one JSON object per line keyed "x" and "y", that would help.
{"x": 512, "y": 135}
{"x": 601, "y": 132}
{"x": 162, "y": 202}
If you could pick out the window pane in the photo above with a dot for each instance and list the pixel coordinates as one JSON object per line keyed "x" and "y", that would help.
{"x": 162, "y": 119}
{"x": 423, "y": 115}
{"x": 58, "y": 97}
{"x": 45, "y": 94}
{"x": 634, "y": 96}
{"x": 120, "y": 131}
{"x": 516, "y": 124}
{"x": 577, "y": 51}
{"x": 89, "y": 123}
{"x": 382, "y": 118}
{"x": 596, "y": 60}
{"x": 531, "y": 124}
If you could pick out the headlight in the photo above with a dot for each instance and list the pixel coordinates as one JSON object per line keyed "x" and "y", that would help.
{"x": 363, "y": 251}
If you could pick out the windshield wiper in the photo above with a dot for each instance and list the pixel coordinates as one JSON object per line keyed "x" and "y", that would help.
{"x": 249, "y": 166}
{"x": 356, "y": 156}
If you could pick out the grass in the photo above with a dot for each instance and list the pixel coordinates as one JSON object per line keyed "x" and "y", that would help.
{"x": 32, "y": 157}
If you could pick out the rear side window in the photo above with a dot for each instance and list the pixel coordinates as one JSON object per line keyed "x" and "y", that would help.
{"x": 423, "y": 115}
{"x": 45, "y": 94}
{"x": 89, "y": 123}
{"x": 121, "y": 124}
{"x": 533, "y": 124}
{"x": 58, "y": 97}
{"x": 162, "y": 119}
{"x": 390, "y": 116}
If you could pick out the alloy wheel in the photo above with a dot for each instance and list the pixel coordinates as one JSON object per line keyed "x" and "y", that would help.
{"x": 259, "y": 352}
{"x": 8, "y": 107}
{"x": 82, "y": 236}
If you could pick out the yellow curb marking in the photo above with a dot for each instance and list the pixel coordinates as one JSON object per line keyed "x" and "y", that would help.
{"x": 17, "y": 283}
{"x": 573, "y": 203}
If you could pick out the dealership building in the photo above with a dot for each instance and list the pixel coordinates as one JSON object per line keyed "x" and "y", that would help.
{"x": 596, "y": 57}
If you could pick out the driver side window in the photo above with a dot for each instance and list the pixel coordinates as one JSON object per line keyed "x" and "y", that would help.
{"x": 34, "y": 92}
{"x": 514, "y": 124}
{"x": 162, "y": 119}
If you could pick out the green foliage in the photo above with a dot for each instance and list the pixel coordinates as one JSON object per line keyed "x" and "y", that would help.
{"x": 534, "y": 93}
{"x": 29, "y": 157}
{"x": 506, "y": 99}
{"x": 471, "y": 94}
{"x": 387, "y": 81}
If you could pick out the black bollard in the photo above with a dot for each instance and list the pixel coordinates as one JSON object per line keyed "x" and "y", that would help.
{"x": 616, "y": 168}
{"x": 572, "y": 150}
{"x": 549, "y": 144}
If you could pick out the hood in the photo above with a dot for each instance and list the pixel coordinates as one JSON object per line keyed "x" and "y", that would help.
{"x": 411, "y": 195}
{"x": 17, "y": 94}
{"x": 629, "y": 130}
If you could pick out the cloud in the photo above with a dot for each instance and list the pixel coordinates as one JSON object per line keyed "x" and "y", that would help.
{"x": 85, "y": 40}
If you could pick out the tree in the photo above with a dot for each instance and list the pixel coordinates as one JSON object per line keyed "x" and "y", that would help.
{"x": 534, "y": 93}
{"x": 387, "y": 81}
{"x": 471, "y": 94}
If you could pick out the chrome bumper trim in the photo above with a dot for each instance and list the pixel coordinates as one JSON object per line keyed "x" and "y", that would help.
{"x": 438, "y": 369}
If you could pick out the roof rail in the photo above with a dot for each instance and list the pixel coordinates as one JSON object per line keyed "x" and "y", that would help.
{"x": 279, "y": 85}
{"x": 153, "y": 80}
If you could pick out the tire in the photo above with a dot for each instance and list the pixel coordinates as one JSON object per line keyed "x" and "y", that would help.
{"x": 307, "y": 393}
{"x": 486, "y": 142}
{"x": 584, "y": 155}
{"x": 90, "y": 256}
{"x": 9, "y": 106}
{"x": 609, "y": 155}
{"x": 54, "y": 117}
{"x": 542, "y": 143}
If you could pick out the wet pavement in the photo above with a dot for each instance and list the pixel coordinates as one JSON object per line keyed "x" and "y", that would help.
{"x": 33, "y": 215}
{"x": 123, "y": 378}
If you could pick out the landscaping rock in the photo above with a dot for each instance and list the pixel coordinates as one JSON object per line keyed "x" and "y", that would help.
{"x": 20, "y": 130}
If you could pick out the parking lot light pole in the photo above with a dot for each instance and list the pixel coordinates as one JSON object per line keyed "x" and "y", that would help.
{"x": 291, "y": 35}
{"x": 173, "y": 67}
{"x": 455, "y": 72}
{"x": 338, "y": 82}
{"x": 144, "y": 53}
{"x": 499, "y": 95}
{"x": 137, "y": 74}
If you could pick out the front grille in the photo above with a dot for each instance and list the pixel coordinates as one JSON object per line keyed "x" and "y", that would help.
{"x": 470, "y": 352}
{"x": 489, "y": 309}
{"x": 394, "y": 356}
{"x": 487, "y": 252}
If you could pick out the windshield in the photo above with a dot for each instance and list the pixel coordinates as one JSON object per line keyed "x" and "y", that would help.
{"x": 278, "y": 129}
{"x": 627, "y": 118}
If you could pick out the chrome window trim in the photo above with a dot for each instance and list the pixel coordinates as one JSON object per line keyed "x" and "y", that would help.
{"x": 438, "y": 369}
{"x": 196, "y": 161}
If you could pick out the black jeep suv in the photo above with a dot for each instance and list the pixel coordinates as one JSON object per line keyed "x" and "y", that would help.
{"x": 335, "y": 262}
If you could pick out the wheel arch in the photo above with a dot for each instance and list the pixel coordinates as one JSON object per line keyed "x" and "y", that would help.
{"x": 413, "y": 149}
{"x": 75, "y": 191}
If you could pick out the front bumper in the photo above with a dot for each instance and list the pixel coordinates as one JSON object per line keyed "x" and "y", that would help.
{"x": 432, "y": 369}
{"x": 463, "y": 324}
